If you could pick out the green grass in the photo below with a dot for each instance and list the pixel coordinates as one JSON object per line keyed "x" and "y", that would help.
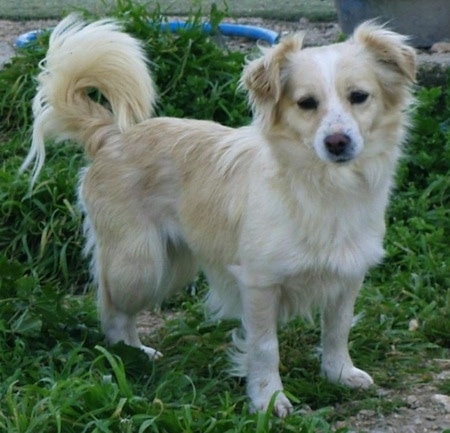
{"x": 56, "y": 375}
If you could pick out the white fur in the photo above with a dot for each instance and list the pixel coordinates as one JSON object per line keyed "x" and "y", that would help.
{"x": 276, "y": 223}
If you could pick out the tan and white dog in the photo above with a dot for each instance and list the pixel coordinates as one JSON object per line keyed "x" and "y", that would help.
{"x": 282, "y": 216}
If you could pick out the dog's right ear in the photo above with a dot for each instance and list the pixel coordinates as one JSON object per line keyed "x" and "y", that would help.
{"x": 263, "y": 78}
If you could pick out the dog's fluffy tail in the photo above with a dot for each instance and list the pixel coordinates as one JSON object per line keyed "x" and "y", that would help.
{"x": 82, "y": 57}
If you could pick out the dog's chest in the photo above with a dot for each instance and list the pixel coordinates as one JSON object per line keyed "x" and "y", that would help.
{"x": 346, "y": 242}
{"x": 342, "y": 238}
{"x": 343, "y": 245}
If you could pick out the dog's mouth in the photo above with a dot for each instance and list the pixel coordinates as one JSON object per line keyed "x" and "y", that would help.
{"x": 343, "y": 160}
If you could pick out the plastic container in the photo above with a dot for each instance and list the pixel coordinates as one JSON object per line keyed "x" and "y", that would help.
{"x": 425, "y": 21}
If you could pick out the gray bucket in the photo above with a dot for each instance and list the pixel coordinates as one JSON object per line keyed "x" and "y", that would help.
{"x": 425, "y": 21}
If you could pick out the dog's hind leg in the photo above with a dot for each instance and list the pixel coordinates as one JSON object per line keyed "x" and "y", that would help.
{"x": 131, "y": 280}
{"x": 124, "y": 290}
{"x": 121, "y": 326}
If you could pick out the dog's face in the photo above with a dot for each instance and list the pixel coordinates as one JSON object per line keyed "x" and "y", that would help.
{"x": 332, "y": 100}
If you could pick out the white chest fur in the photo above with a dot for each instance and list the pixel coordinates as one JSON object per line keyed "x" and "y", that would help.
{"x": 340, "y": 233}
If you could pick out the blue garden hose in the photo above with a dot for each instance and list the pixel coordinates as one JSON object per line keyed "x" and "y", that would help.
{"x": 226, "y": 29}
{"x": 26, "y": 38}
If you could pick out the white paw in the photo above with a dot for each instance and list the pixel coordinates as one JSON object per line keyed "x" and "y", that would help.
{"x": 281, "y": 407}
{"x": 151, "y": 353}
{"x": 356, "y": 378}
{"x": 350, "y": 376}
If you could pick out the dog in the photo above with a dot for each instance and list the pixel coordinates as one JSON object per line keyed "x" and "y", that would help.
{"x": 282, "y": 216}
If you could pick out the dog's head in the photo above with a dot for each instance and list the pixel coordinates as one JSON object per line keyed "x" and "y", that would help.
{"x": 338, "y": 100}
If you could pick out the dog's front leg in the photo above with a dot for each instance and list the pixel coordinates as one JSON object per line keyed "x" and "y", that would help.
{"x": 259, "y": 319}
{"x": 337, "y": 317}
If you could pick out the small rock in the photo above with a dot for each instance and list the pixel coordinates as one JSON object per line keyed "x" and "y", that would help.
{"x": 305, "y": 410}
{"x": 340, "y": 424}
{"x": 421, "y": 410}
{"x": 413, "y": 325}
{"x": 443, "y": 375}
{"x": 412, "y": 401}
{"x": 440, "y": 47}
{"x": 383, "y": 392}
{"x": 418, "y": 420}
{"x": 6, "y": 52}
{"x": 442, "y": 400}
{"x": 366, "y": 414}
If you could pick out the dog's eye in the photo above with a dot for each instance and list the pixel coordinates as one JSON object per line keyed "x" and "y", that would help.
{"x": 308, "y": 103}
{"x": 358, "y": 97}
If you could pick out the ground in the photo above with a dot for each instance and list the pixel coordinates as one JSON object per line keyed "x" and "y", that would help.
{"x": 425, "y": 409}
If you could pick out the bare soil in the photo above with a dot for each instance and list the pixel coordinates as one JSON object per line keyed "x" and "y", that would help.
{"x": 425, "y": 408}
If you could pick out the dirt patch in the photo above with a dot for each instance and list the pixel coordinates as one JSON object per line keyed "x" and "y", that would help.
{"x": 10, "y": 30}
{"x": 425, "y": 408}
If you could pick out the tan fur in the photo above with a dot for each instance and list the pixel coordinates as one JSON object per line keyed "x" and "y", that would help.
{"x": 283, "y": 215}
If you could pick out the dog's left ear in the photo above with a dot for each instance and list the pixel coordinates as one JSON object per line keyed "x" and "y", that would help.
{"x": 390, "y": 48}
{"x": 395, "y": 60}
{"x": 263, "y": 77}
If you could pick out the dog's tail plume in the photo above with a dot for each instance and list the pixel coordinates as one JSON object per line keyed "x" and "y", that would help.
{"x": 82, "y": 57}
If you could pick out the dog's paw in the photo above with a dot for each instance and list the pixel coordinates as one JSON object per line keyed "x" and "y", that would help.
{"x": 356, "y": 378}
{"x": 351, "y": 377}
{"x": 281, "y": 406}
{"x": 151, "y": 353}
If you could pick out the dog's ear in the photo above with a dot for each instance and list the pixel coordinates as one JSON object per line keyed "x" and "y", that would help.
{"x": 263, "y": 77}
{"x": 395, "y": 60}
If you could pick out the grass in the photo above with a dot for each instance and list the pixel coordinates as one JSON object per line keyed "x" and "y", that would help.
{"x": 292, "y": 10}
{"x": 56, "y": 374}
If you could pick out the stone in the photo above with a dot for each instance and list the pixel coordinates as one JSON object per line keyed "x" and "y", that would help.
{"x": 442, "y": 400}
{"x": 413, "y": 325}
{"x": 6, "y": 52}
{"x": 366, "y": 414}
{"x": 412, "y": 401}
{"x": 440, "y": 47}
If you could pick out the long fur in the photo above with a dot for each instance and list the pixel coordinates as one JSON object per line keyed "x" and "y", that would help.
{"x": 282, "y": 216}
{"x": 61, "y": 109}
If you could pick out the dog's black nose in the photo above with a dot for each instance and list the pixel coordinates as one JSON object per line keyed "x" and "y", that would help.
{"x": 337, "y": 144}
